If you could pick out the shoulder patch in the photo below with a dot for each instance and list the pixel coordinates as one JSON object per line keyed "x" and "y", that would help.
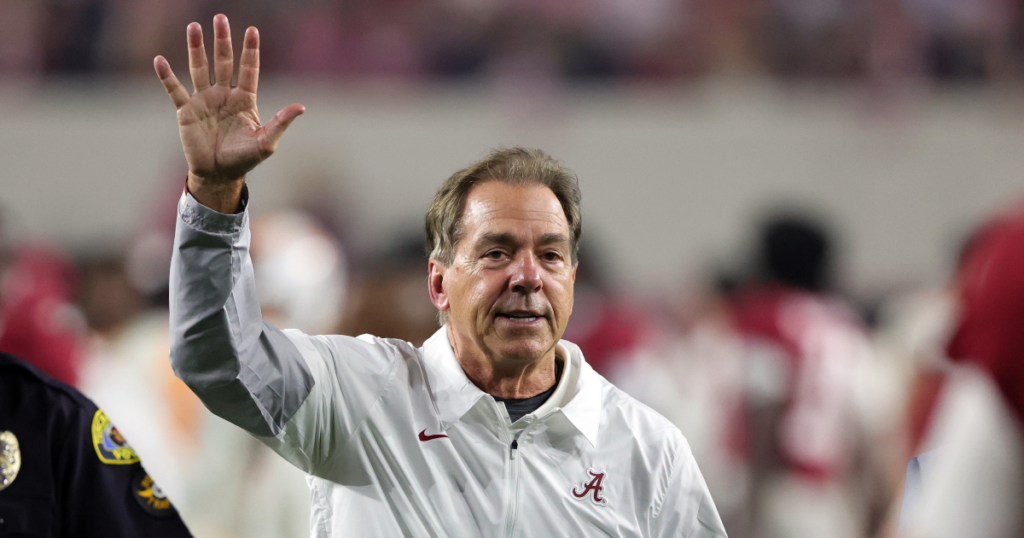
{"x": 149, "y": 495}
{"x": 110, "y": 445}
{"x": 10, "y": 459}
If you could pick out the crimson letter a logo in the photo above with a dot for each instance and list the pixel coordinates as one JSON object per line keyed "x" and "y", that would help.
{"x": 592, "y": 488}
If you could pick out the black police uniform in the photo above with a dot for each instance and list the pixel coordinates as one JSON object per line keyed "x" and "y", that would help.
{"x": 65, "y": 470}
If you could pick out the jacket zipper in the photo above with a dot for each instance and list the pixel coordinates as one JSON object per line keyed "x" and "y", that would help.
{"x": 510, "y": 521}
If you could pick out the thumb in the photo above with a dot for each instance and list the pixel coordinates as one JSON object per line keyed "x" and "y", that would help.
{"x": 274, "y": 130}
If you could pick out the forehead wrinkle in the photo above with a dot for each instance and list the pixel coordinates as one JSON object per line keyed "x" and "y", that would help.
{"x": 486, "y": 216}
{"x": 496, "y": 203}
{"x": 493, "y": 210}
{"x": 500, "y": 209}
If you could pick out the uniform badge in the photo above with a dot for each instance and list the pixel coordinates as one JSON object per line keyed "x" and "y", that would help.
{"x": 149, "y": 495}
{"x": 10, "y": 459}
{"x": 111, "y": 446}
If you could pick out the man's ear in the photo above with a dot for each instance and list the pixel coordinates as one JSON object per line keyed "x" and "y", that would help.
{"x": 575, "y": 266}
{"x": 435, "y": 282}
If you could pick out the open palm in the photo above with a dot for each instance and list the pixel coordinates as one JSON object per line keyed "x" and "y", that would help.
{"x": 219, "y": 125}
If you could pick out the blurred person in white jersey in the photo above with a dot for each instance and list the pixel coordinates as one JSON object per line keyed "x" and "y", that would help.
{"x": 494, "y": 427}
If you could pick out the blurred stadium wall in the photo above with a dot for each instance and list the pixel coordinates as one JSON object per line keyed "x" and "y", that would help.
{"x": 672, "y": 177}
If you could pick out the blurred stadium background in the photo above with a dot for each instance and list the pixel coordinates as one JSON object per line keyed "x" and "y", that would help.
{"x": 891, "y": 127}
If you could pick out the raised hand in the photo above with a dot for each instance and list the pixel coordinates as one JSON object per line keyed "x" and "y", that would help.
{"x": 219, "y": 125}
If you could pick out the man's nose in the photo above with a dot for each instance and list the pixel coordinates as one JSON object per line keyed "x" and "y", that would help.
{"x": 525, "y": 274}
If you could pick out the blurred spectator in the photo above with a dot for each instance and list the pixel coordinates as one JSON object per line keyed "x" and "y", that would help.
{"x": 301, "y": 270}
{"x": 912, "y": 331}
{"x": 962, "y": 38}
{"x": 689, "y": 367}
{"x": 605, "y": 326}
{"x": 767, "y": 375}
{"x": 908, "y": 342}
{"x": 820, "y": 38}
{"x": 543, "y": 42}
{"x": 805, "y": 349}
{"x": 992, "y": 306}
{"x": 107, "y": 296}
{"x": 127, "y": 373}
{"x": 38, "y": 321}
{"x": 126, "y": 368}
{"x": 389, "y": 296}
{"x": 976, "y": 484}
{"x": 72, "y": 38}
{"x": 20, "y": 29}
{"x": 227, "y": 483}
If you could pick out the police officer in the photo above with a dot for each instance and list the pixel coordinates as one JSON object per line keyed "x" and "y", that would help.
{"x": 65, "y": 470}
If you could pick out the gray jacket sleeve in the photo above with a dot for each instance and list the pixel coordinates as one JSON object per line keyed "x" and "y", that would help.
{"x": 242, "y": 368}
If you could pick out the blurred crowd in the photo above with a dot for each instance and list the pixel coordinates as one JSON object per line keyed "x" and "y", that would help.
{"x": 877, "y": 41}
{"x": 801, "y": 405}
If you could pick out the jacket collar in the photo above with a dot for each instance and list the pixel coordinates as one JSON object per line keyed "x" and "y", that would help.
{"x": 578, "y": 396}
{"x": 581, "y": 402}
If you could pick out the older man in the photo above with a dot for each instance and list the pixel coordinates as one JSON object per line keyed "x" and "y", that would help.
{"x": 495, "y": 427}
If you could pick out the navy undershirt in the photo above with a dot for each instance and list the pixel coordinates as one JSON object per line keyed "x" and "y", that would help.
{"x": 518, "y": 408}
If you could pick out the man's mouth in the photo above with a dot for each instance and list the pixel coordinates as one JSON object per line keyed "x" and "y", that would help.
{"x": 520, "y": 317}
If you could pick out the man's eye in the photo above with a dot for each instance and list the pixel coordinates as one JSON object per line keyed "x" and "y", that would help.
{"x": 552, "y": 256}
{"x": 494, "y": 255}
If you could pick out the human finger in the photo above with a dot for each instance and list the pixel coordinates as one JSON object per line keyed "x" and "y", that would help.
{"x": 249, "y": 64}
{"x": 271, "y": 133}
{"x": 223, "y": 59}
{"x": 177, "y": 92}
{"x": 197, "y": 65}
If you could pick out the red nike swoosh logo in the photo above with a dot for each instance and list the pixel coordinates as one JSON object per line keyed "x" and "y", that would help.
{"x": 425, "y": 437}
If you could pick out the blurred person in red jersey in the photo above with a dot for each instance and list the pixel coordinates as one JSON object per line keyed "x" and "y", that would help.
{"x": 606, "y": 325}
{"x": 990, "y": 333}
{"x": 970, "y": 476}
{"x": 804, "y": 352}
{"x": 766, "y": 375}
{"x": 911, "y": 332}
{"x": 38, "y": 321}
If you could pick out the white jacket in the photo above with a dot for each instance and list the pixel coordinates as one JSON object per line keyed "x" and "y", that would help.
{"x": 397, "y": 441}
